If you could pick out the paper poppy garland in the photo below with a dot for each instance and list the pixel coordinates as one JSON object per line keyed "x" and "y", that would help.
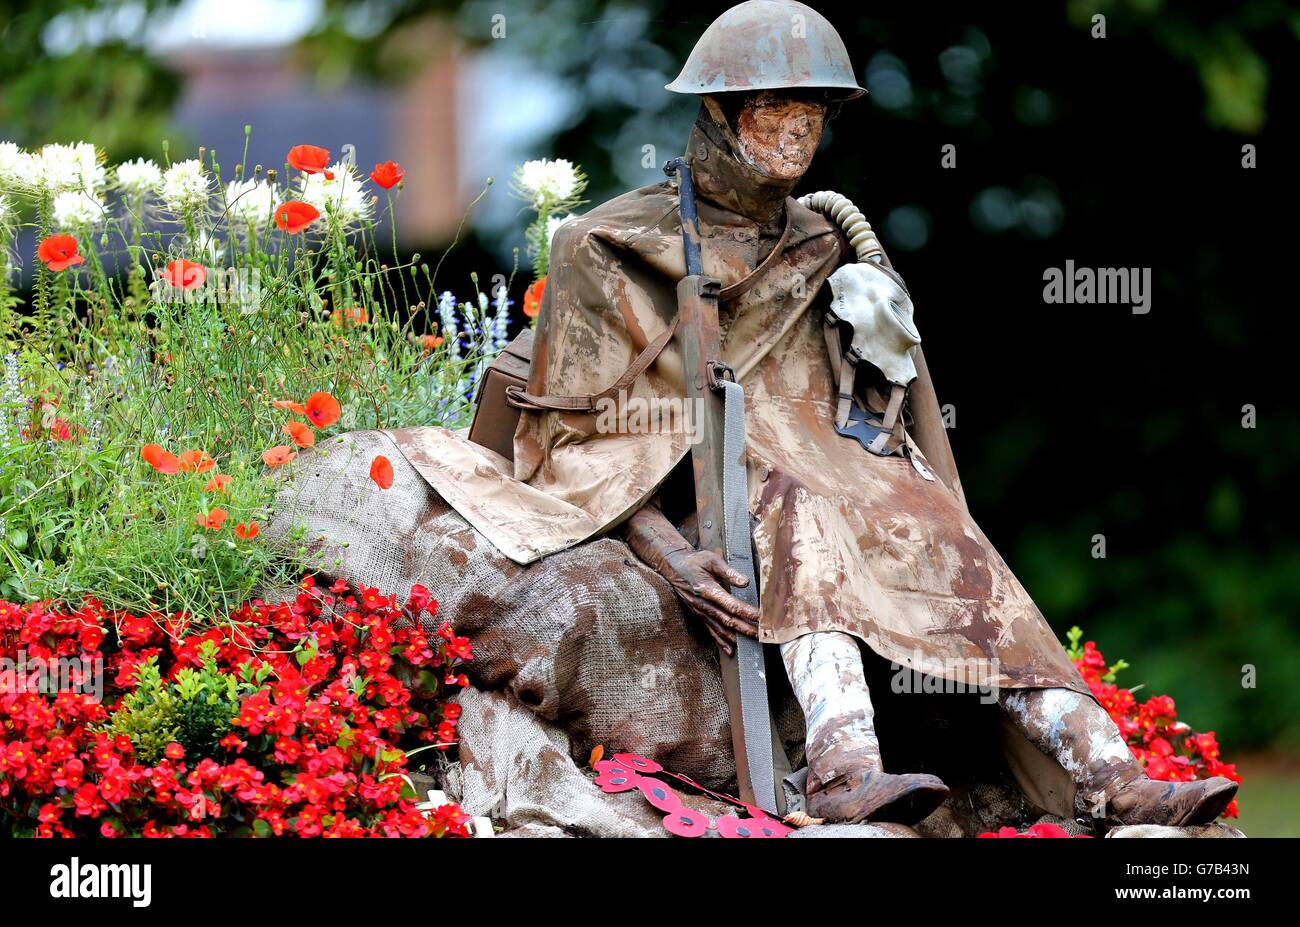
{"x": 628, "y": 771}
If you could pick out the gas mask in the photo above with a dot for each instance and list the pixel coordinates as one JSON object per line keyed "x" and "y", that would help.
{"x": 874, "y": 302}
{"x": 871, "y": 307}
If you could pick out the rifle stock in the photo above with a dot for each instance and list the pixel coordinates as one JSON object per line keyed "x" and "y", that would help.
{"x": 720, "y": 484}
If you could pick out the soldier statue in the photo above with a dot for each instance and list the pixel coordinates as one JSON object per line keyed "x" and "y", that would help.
{"x": 862, "y": 540}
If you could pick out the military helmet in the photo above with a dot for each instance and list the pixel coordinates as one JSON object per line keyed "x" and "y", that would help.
{"x": 769, "y": 45}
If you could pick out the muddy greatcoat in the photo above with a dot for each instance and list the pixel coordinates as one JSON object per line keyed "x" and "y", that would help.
{"x": 845, "y": 540}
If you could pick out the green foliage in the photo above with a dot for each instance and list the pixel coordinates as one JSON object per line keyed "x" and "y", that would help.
{"x": 194, "y": 710}
{"x": 115, "y": 93}
{"x": 103, "y": 364}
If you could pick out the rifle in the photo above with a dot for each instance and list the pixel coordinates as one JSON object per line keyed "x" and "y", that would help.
{"x": 721, "y": 501}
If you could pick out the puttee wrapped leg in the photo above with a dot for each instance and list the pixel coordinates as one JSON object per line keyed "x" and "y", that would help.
{"x": 1111, "y": 786}
{"x": 846, "y": 781}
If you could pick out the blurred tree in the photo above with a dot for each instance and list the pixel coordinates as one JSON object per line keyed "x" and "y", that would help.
{"x": 78, "y": 69}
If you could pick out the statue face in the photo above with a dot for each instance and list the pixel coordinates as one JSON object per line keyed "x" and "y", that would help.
{"x": 779, "y": 132}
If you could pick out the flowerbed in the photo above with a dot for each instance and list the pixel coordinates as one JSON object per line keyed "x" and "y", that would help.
{"x": 293, "y": 719}
{"x": 1169, "y": 749}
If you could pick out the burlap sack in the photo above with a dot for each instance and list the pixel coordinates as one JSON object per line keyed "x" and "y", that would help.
{"x": 590, "y": 638}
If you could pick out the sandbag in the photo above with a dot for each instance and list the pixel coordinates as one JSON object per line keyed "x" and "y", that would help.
{"x": 590, "y": 639}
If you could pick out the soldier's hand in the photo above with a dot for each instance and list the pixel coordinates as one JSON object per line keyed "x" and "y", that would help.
{"x": 702, "y": 580}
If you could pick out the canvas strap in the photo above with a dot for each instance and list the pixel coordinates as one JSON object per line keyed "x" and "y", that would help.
{"x": 520, "y": 398}
{"x": 760, "y": 743}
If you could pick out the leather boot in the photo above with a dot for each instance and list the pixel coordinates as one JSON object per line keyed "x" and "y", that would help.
{"x": 846, "y": 782}
{"x": 872, "y": 795}
{"x": 1112, "y": 788}
{"x": 1174, "y": 804}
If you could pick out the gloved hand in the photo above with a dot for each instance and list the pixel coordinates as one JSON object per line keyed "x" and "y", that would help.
{"x": 698, "y": 576}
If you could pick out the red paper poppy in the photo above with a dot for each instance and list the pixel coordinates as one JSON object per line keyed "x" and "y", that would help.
{"x": 750, "y": 828}
{"x": 388, "y": 175}
{"x": 659, "y": 795}
{"x": 161, "y": 460}
{"x": 295, "y": 215}
{"x": 381, "y": 471}
{"x": 615, "y": 778}
{"x": 301, "y": 434}
{"x": 533, "y": 298}
{"x": 212, "y": 520}
{"x": 247, "y": 531}
{"x": 322, "y": 410}
{"x": 278, "y": 455}
{"x": 310, "y": 159}
{"x": 686, "y": 823}
{"x": 184, "y": 275}
{"x": 218, "y": 483}
{"x": 59, "y": 252}
{"x": 196, "y": 462}
{"x": 640, "y": 763}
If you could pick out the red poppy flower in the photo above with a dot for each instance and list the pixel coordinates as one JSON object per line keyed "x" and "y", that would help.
{"x": 161, "y": 460}
{"x": 218, "y": 483}
{"x": 248, "y": 531}
{"x": 353, "y": 315}
{"x": 59, "y": 252}
{"x": 381, "y": 471}
{"x": 430, "y": 343}
{"x": 322, "y": 410}
{"x": 196, "y": 462}
{"x": 295, "y": 215}
{"x": 533, "y": 298}
{"x": 301, "y": 434}
{"x": 184, "y": 275}
{"x": 388, "y": 175}
{"x": 291, "y": 405}
{"x": 686, "y": 823}
{"x": 212, "y": 520}
{"x": 310, "y": 159}
{"x": 278, "y": 455}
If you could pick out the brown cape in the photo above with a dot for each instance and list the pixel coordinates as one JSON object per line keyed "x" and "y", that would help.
{"x": 845, "y": 540}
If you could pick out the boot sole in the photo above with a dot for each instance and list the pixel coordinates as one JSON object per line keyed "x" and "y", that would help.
{"x": 909, "y": 806}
